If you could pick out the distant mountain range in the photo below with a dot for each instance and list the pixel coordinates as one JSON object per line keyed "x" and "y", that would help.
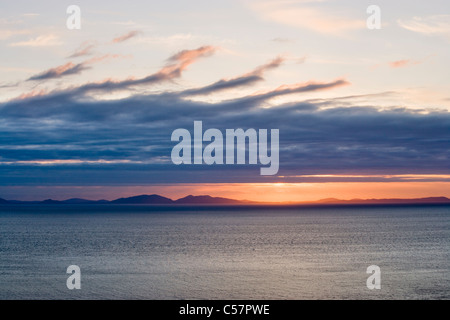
{"x": 142, "y": 199}
{"x": 208, "y": 200}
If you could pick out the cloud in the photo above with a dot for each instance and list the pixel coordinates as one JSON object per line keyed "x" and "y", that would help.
{"x": 303, "y": 87}
{"x": 9, "y": 85}
{"x": 85, "y": 49}
{"x": 247, "y": 79}
{"x": 104, "y": 57}
{"x": 60, "y": 71}
{"x": 126, "y": 36}
{"x": 31, "y": 94}
{"x": 428, "y": 25}
{"x": 9, "y": 28}
{"x": 173, "y": 69}
{"x": 399, "y": 63}
{"x": 403, "y": 63}
{"x": 177, "y": 63}
{"x": 40, "y": 41}
{"x": 225, "y": 84}
{"x": 128, "y": 141}
{"x": 69, "y": 133}
{"x": 9, "y": 33}
{"x": 282, "y": 40}
{"x": 71, "y": 68}
{"x": 301, "y": 15}
{"x": 187, "y": 57}
{"x": 275, "y": 63}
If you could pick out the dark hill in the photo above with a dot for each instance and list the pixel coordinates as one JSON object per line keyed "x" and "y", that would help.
{"x": 206, "y": 200}
{"x": 144, "y": 199}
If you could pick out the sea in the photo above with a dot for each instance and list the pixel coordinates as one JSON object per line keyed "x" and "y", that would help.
{"x": 224, "y": 252}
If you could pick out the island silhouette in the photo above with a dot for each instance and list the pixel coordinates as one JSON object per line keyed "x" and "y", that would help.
{"x": 156, "y": 199}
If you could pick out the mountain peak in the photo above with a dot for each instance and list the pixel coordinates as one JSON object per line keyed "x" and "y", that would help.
{"x": 144, "y": 199}
{"x": 206, "y": 199}
{"x": 50, "y": 201}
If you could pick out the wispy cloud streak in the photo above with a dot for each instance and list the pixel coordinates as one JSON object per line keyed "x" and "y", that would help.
{"x": 126, "y": 36}
{"x": 85, "y": 49}
{"x": 247, "y": 79}
{"x": 70, "y": 68}
{"x": 40, "y": 41}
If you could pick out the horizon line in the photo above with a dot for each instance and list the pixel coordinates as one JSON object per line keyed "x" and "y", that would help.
{"x": 324, "y": 201}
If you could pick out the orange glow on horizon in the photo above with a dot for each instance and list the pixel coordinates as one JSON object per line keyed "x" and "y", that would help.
{"x": 261, "y": 192}
{"x": 286, "y": 192}
{"x": 389, "y": 176}
{"x": 299, "y": 192}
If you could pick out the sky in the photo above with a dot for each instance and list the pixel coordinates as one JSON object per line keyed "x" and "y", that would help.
{"x": 89, "y": 112}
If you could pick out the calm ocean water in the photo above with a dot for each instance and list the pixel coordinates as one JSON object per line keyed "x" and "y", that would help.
{"x": 144, "y": 252}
